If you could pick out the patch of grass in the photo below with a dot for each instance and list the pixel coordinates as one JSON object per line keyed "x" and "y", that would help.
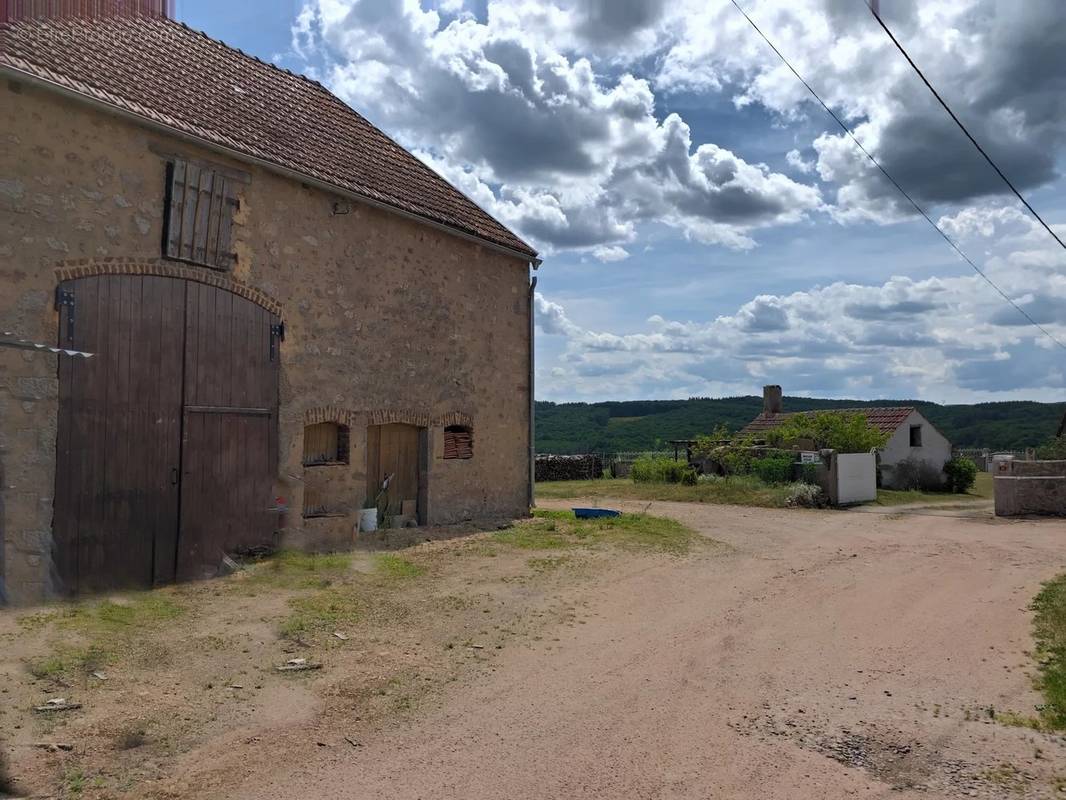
{"x": 1015, "y": 720}
{"x": 96, "y": 633}
{"x": 68, "y": 661}
{"x": 321, "y": 611}
{"x": 548, "y": 563}
{"x": 982, "y": 490}
{"x": 292, "y": 569}
{"x": 741, "y": 490}
{"x": 557, "y": 530}
{"x": 1006, "y": 776}
{"x": 1049, "y": 631}
{"x": 394, "y": 566}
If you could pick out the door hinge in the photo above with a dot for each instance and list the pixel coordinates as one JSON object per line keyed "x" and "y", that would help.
{"x": 65, "y": 297}
{"x": 277, "y": 334}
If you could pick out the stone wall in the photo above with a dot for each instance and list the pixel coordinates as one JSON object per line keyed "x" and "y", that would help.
{"x": 1031, "y": 488}
{"x": 387, "y": 319}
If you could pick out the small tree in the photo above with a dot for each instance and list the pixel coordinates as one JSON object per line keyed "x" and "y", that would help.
{"x": 1054, "y": 449}
{"x": 961, "y": 474}
{"x": 836, "y": 430}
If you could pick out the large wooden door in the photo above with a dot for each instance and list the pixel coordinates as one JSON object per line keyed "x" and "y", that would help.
{"x": 229, "y": 443}
{"x": 116, "y": 499}
{"x": 395, "y": 450}
{"x": 166, "y": 444}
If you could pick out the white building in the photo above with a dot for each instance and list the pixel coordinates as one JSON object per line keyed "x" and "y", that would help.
{"x": 911, "y": 435}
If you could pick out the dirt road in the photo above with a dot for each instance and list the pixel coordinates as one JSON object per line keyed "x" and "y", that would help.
{"x": 822, "y": 655}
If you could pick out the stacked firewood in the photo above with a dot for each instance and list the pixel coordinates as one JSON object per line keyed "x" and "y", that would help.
{"x": 569, "y": 468}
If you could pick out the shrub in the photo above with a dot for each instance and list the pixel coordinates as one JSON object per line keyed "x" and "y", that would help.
{"x": 843, "y": 432}
{"x": 961, "y": 474}
{"x": 775, "y": 469}
{"x": 806, "y": 495}
{"x": 663, "y": 469}
{"x": 1053, "y": 449}
{"x": 916, "y": 474}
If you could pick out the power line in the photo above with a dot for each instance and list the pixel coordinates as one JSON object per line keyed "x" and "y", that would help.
{"x": 981, "y": 150}
{"x": 894, "y": 182}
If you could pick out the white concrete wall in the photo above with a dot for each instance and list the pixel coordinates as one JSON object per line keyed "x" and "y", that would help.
{"x": 935, "y": 449}
{"x": 856, "y": 475}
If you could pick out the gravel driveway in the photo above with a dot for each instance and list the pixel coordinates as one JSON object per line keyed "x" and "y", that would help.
{"x": 817, "y": 655}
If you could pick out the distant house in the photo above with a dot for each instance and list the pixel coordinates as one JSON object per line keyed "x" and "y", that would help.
{"x": 910, "y": 434}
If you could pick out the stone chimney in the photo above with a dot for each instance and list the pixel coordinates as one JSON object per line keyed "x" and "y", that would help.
{"x": 771, "y": 399}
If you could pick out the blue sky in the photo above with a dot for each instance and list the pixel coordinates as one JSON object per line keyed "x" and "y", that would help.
{"x": 705, "y": 228}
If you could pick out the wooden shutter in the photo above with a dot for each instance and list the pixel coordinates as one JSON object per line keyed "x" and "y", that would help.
{"x": 199, "y": 215}
{"x": 458, "y": 442}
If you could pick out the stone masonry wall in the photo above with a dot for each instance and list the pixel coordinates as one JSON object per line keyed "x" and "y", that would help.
{"x": 387, "y": 320}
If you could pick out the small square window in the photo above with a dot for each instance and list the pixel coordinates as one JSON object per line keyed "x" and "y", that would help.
{"x": 916, "y": 435}
{"x": 198, "y": 215}
{"x": 458, "y": 442}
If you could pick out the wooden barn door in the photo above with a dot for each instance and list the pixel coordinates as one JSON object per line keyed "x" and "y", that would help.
{"x": 166, "y": 442}
{"x": 396, "y": 450}
{"x": 118, "y": 438}
{"x": 229, "y": 444}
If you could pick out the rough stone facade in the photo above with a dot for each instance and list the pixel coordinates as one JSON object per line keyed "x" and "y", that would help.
{"x": 387, "y": 319}
{"x": 1031, "y": 488}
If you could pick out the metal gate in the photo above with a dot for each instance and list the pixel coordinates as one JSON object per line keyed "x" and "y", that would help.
{"x": 167, "y": 438}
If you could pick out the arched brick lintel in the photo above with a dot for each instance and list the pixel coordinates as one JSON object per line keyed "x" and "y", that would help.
{"x": 385, "y": 417}
{"x": 92, "y": 267}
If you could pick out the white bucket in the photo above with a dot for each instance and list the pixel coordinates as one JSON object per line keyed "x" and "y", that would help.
{"x": 368, "y": 520}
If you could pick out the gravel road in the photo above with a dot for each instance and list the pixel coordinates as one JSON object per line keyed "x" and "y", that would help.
{"x": 817, "y": 655}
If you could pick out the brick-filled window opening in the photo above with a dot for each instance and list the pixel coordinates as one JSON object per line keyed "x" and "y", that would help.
{"x": 326, "y": 443}
{"x": 198, "y": 216}
{"x": 458, "y": 442}
{"x": 916, "y": 435}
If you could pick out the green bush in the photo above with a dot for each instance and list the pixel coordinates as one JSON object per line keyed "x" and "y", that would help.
{"x": 961, "y": 474}
{"x": 842, "y": 431}
{"x": 1054, "y": 449}
{"x": 773, "y": 470}
{"x": 647, "y": 469}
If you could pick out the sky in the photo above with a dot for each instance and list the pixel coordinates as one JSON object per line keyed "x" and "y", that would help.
{"x": 706, "y": 228}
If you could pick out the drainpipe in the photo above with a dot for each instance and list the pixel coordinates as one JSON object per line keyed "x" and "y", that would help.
{"x": 532, "y": 402}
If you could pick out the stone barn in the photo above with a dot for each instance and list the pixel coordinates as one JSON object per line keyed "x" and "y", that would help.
{"x": 283, "y": 305}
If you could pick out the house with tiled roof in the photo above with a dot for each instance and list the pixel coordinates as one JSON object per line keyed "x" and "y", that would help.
{"x": 289, "y": 316}
{"x": 911, "y": 435}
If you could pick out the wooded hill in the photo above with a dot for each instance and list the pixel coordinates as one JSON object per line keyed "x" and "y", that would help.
{"x": 634, "y": 425}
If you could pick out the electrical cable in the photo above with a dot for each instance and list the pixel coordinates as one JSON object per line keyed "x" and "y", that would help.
{"x": 894, "y": 182}
{"x": 963, "y": 128}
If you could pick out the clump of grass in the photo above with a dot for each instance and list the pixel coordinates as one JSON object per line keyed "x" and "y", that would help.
{"x": 1049, "y": 631}
{"x": 68, "y": 661}
{"x": 322, "y": 611}
{"x": 548, "y": 564}
{"x": 132, "y": 738}
{"x": 96, "y": 633}
{"x": 292, "y": 569}
{"x": 556, "y": 530}
{"x": 394, "y": 566}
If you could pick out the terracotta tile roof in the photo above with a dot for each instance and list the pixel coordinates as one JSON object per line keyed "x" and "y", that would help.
{"x": 168, "y": 73}
{"x": 886, "y": 419}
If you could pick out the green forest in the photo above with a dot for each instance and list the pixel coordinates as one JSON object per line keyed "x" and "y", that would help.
{"x": 636, "y": 425}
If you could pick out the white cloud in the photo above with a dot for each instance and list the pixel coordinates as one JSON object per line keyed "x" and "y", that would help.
{"x": 569, "y": 158}
{"x": 903, "y": 337}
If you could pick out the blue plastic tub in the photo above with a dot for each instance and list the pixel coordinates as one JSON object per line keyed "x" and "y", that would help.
{"x": 594, "y": 513}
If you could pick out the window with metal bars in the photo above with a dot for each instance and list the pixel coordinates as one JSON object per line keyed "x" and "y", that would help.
{"x": 198, "y": 217}
{"x": 458, "y": 442}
